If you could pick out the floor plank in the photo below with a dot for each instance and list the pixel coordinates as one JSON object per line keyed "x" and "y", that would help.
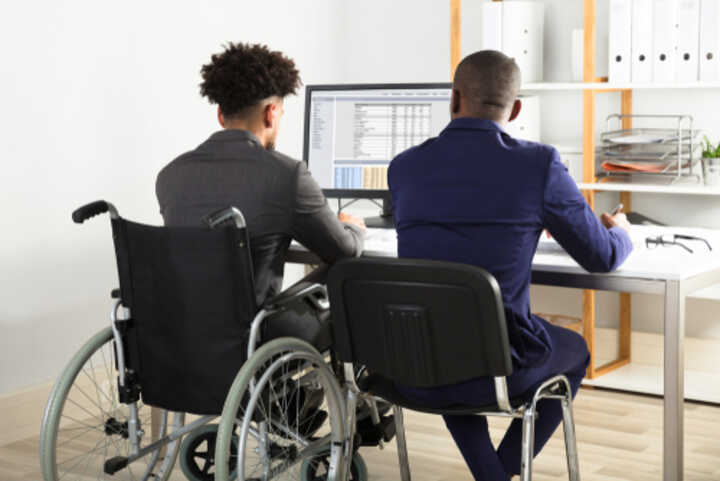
{"x": 620, "y": 439}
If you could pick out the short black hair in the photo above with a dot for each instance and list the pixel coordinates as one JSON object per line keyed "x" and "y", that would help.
{"x": 244, "y": 74}
{"x": 489, "y": 82}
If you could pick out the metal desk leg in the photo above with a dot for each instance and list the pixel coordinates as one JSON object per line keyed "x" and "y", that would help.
{"x": 674, "y": 379}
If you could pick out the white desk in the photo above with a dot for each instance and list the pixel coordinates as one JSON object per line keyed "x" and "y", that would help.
{"x": 666, "y": 270}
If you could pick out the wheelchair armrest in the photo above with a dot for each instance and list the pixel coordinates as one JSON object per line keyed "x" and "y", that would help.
{"x": 314, "y": 294}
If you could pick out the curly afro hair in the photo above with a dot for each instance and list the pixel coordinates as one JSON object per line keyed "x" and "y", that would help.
{"x": 244, "y": 74}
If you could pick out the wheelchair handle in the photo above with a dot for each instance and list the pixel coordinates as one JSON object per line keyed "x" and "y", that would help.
{"x": 92, "y": 209}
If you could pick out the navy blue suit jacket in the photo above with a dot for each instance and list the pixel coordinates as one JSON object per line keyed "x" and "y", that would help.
{"x": 476, "y": 195}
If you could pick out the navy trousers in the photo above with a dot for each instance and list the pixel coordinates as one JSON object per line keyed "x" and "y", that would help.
{"x": 569, "y": 356}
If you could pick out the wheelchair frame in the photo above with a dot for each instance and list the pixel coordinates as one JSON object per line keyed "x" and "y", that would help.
{"x": 129, "y": 394}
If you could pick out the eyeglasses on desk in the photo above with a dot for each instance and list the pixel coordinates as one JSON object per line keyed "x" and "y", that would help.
{"x": 652, "y": 242}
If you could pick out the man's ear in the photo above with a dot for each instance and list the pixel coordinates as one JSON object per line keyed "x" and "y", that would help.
{"x": 516, "y": 108}
{"x": 454, "y": 102}
{"x": 269, "y": 113}
{"x": 221, "y": 118}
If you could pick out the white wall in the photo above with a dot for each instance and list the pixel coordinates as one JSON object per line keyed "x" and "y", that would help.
{"x": 97, "y": 97}
{"x": 398, "y": 41}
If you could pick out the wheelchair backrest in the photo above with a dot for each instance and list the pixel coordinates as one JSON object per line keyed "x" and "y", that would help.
{"x": 418, "y": 322}
{"x": 191, "y": 296}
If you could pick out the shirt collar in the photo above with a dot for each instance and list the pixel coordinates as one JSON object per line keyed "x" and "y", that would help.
{"x": 473, "y": 123}
{"x": 234, "y": 135}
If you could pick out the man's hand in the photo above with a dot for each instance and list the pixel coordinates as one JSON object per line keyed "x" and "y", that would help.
{"x": 617, "y": 220}
{"x": 351, "y": 219}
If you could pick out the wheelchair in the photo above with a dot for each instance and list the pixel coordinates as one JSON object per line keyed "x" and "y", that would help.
{"x": 146, "y": 390}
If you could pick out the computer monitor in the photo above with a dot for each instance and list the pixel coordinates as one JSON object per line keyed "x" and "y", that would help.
{"x": 352, "y": 132}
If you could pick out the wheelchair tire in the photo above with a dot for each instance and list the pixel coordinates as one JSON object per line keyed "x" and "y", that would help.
{"x": 314, "y": 468}
{"x": 267, "y": 442}
{"x": 199, "y": 465}
{"x": 84, "y": 424}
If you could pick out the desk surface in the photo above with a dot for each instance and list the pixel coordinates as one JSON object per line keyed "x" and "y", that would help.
{"x": 662, "y": 262}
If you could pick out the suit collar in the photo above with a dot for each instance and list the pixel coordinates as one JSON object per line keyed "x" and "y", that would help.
{"x": 234, "y": 135}
{"x": 472, "y": 123}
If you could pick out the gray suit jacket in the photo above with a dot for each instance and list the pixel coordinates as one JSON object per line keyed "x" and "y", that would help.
{"x": 277, "y": 195}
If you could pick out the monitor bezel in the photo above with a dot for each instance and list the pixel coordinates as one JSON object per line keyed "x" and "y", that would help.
{"x": 309, "y": 89}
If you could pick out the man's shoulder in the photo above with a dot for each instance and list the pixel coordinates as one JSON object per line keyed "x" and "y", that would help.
{"x": 282, "y": 161}
{"x": 413, "y": 152}
{"x": 272, "y": 160}
{"x": 173, "y": 164}
{"x": 532, "y": 151}
{"x": 528, "y": 145}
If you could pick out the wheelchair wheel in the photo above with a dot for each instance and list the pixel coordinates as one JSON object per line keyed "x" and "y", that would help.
{"x": 85, "y": 425}
{"x": 197, "y": 454}
{"x": 315, "y": 467}
{"x": 285, "y": 404}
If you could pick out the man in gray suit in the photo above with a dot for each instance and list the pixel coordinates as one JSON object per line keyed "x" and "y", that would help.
{"x": 238, "y": 166}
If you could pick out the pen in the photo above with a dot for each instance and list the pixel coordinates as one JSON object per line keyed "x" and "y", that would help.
{"x": 617, "y": 209}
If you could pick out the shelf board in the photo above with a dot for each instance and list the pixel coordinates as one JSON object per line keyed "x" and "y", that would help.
{"x": 685, "y": 188}
{"x": 617, "y": 86}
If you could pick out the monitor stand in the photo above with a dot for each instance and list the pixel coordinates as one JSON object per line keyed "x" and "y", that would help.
{"x": 384, "y": 220}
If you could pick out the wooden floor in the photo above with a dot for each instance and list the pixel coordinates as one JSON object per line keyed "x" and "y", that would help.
{"x": 620, "y": 438}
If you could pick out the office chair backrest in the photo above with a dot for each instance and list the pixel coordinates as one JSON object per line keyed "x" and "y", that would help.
{"x": 191, "y": 295}
{"x": 417, "y": 322}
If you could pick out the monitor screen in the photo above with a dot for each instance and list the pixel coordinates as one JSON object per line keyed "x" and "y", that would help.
{"x": 353, "y": 132}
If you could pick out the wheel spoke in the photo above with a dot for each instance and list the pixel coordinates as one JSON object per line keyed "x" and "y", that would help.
{"x": 82, "y": 438}
{"x": 96, "y": 426}
{"x": 82, "y": 456}
{"x": 92, "y": 415}
{"x": 82, "y": 391}
{"x": 94, "y": 381}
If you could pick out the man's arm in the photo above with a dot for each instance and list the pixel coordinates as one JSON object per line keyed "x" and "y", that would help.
{"x": 568, "y": 217}
{"x": 315, "y": 226}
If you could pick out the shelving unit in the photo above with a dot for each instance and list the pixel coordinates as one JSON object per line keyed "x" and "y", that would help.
{"x": 591, "y": 86}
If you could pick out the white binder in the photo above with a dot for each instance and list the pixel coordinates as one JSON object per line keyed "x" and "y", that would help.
{"x": 710, "y": 41}
{"x": 490, "y": 26}
{"x": 664, "y": 40}
{"x": 642, "y": 38}
{"x": 688, "y": 21}
{"x": 522, "y": 37}
{"x": 620, "y": 41}
{"x": 516, "y": 29}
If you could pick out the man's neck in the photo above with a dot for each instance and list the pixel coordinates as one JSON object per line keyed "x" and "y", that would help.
{"x": 239, "y": 125}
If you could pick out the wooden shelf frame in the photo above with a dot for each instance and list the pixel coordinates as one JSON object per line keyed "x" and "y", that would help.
{"x": 591, "y": 86}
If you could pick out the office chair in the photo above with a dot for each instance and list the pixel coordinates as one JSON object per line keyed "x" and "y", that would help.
{"x": 429, "y": 323}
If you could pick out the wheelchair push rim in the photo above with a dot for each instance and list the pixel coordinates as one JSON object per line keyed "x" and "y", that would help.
{"x": 274, "y": 434}
{"x": 84, "y": 424}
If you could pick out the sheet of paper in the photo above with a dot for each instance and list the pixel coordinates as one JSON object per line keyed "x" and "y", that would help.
{"x": 637, "y": 139}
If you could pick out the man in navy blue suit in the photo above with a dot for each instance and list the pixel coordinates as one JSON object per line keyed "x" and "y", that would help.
{"x": 478, "y": 196}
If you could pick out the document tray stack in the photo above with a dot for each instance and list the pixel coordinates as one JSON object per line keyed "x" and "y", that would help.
{"x": 646, "y": 154}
